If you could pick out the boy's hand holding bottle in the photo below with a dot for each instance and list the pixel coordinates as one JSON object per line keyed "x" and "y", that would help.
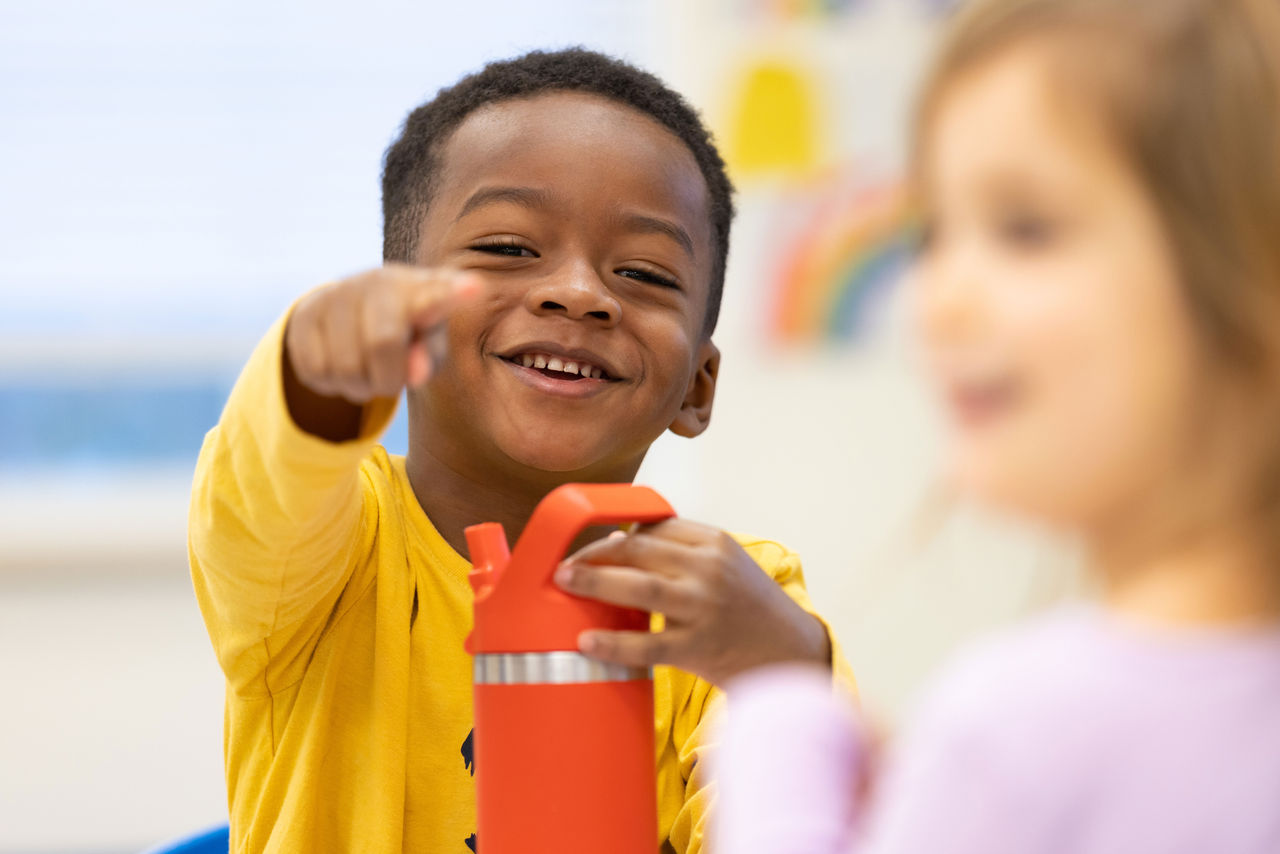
{"x": 722, "y": 614}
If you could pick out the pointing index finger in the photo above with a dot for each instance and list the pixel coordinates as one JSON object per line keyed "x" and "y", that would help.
{"x": 434, "y": 293}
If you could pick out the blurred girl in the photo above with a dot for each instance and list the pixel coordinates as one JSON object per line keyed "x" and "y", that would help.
{"x": 1099, "y": 301}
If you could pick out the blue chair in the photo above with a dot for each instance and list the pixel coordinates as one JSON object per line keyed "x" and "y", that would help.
{"x": 216, "y": 840}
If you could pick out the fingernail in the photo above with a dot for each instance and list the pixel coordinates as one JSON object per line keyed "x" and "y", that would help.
{"x": 617, "y": 535}
{"x": 587, "y": 643}
{"x": 419, "y": 366}
{"x": 564, "y": 575}
{"x": 467, "y": 284}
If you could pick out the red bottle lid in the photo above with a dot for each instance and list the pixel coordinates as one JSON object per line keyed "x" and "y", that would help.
{"x": 518, "y": 607}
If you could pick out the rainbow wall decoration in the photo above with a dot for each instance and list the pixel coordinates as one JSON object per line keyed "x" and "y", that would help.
{"x": 828, "y": 10}
{"x": 852, "y": 251}
{"x": 789, "y": 10}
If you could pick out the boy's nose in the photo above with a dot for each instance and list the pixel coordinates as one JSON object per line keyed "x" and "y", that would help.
{"x": 577, "y": 294}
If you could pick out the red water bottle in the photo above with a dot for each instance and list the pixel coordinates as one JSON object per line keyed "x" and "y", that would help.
{"x": 564, "y": 752}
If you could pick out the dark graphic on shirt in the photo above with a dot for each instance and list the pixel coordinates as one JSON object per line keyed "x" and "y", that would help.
{"x": 469, "y": 760}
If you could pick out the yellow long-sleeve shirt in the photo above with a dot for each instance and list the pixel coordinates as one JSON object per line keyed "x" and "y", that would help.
{"x": 338, "y": 615}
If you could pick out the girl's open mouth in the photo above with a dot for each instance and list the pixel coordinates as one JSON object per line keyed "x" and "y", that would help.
{"x": 977, "y": 404}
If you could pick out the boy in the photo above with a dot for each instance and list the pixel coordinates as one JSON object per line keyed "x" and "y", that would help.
{"x": 569, "y": 217}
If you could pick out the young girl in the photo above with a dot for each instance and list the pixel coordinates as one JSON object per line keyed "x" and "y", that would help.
{"x": 1099, "y": 300}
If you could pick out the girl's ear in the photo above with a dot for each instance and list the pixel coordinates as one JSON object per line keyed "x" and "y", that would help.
{"x": 695, "y": 412}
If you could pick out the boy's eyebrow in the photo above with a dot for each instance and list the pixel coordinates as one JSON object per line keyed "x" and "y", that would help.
{"x": 528, "y": 197}
{"x": 644, "y": 224}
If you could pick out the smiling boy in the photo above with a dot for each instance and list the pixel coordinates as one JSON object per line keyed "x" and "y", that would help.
{"x": 568, "y": 216}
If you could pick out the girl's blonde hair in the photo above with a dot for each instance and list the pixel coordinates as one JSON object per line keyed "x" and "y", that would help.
{"x": 1189, "y": 91}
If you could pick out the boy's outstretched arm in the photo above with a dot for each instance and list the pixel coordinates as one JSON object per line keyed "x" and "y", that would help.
{"x": 277, "y": 519}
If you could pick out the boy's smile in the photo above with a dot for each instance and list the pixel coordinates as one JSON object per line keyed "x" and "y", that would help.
{"x": 589, "y": 222}
{"x": 548, "y": 367}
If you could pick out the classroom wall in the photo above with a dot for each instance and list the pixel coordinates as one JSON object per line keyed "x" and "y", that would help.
{"x": 176, "y": 174}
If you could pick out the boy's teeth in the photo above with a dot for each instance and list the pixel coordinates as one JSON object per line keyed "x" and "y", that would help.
{"x": 554, "y": 363}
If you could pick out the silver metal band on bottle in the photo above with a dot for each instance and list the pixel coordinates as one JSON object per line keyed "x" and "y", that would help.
{"x": 563, "y": 667}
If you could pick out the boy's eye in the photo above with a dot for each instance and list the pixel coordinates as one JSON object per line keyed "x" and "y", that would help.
{"x": 648, "y": 277}
{"x": 506, "y": 248}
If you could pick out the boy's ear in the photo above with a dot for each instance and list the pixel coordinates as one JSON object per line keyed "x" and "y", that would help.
{"x": 695, "y": 412}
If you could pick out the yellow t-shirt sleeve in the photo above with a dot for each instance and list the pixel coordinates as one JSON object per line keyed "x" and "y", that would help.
{"x": 695, "y": 722}
{"x": 788, "y": 573}
{"x": 278, "y": 521}
{"x": 696, "y": 717}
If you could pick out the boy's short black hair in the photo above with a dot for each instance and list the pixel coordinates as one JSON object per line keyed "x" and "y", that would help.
{"x": 411, "y": 163}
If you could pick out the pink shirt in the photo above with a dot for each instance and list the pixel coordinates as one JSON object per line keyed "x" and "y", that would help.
{"x": 1075, "y": 733}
